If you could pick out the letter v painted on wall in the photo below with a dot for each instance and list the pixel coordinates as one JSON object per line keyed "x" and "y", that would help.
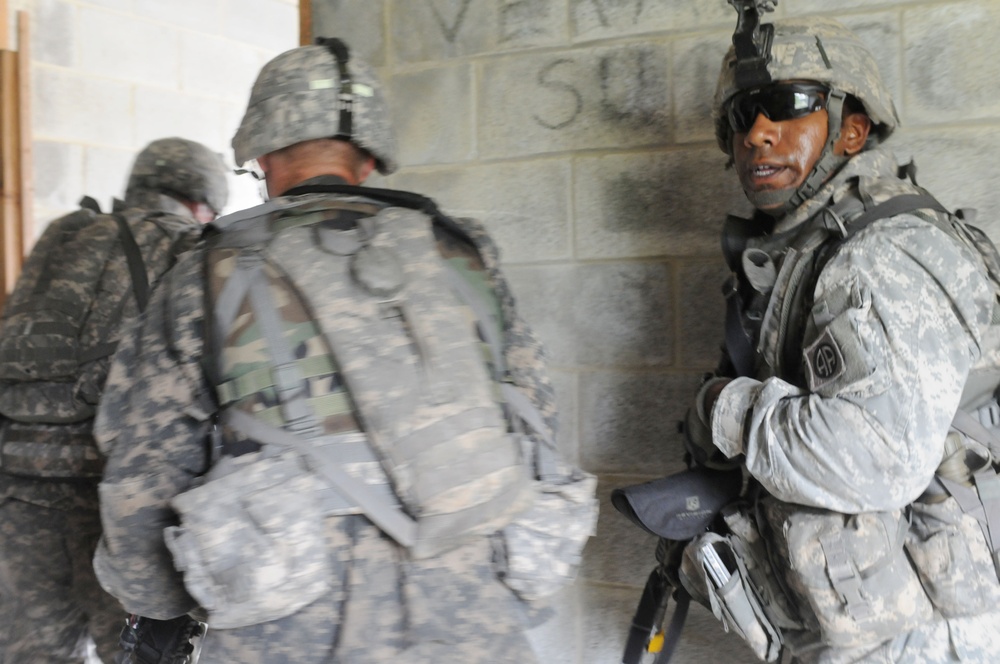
{"x": 450, "y": 31}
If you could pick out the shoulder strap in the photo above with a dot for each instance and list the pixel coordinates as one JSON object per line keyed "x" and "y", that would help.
{"x": 140, "y": 285}
{"x": 393, "y": 197}
{"x": 136, "y": 266}
{"x": 897, "y": 205}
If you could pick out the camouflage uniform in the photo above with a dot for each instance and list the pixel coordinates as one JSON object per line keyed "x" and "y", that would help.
{"x": 904, "y": 304}
{"x": 857, "y": 377}
{"x": 50, "y": 526}
{"x": 153, "y": 423}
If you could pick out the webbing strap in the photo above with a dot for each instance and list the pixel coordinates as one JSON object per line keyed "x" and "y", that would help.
{"x": 672, "y": 635}
{"x": 136, "y": 266}
{"x": 845, "y": 578}
{"x": 648, "y": 613}
{"x": 970, "y": 425}
{"x": 288, "y": 380}
{"x": 261, "y": 379}
{"x": 384, "y": 511}
{"x": 988, "y": 487}
{"x": 326, "y": 405}
{"x": 971, "y": 503}
{"x": 890, "y": 208}
{"x": 488, "y": 323}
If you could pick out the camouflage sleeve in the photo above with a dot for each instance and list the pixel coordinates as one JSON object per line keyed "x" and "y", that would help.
{"x": 152, "y": 425}
{"x": 890, "y": 341}
{"x": 524, "y": 354}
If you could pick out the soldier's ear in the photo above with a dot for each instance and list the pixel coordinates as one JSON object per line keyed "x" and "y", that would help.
{"x": 854, "y": 132}
{"x": 264, "y": 161}
{"x": 365, "y": 169}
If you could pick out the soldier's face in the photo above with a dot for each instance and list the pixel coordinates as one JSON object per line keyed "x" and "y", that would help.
{"x": 773, "y": 158}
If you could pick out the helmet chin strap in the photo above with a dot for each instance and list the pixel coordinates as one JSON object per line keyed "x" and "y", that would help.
{"x": 828, "y": 162}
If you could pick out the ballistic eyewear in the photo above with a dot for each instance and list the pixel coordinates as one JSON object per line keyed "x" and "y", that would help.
{"x": 776, "y": 102}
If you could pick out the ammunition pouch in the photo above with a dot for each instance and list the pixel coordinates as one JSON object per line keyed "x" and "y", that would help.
{"x": 953, "y": 540}
{"x": 718, "y": 578}
{"x": 848, "y": 573}
{"x": 950, "y": 554}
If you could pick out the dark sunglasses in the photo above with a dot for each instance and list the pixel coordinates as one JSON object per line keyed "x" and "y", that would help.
{"x": 777, "y": 102}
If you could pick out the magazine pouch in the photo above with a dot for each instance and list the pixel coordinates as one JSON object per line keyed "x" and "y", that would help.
{"x": 716, "y": 576}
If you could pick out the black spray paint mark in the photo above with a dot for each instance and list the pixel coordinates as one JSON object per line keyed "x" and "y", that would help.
{"x": 563, "y": 87}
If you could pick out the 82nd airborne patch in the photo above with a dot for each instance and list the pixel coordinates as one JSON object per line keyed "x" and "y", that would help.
{"x": 824, "y": 361}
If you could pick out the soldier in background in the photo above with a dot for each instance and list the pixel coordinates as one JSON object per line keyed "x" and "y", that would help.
{"x": 301, "y": 346}
{"x": 87, "y": 274}
{"x": 852, "y": 332}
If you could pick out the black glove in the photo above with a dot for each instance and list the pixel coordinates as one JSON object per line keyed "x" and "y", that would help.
{"x": 149, "y": 641}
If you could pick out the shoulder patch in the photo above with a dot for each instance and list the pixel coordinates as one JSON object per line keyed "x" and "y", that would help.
{"x": 824, "y": 361}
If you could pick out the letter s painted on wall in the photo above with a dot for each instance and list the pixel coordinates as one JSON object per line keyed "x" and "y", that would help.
{"x": 546, "y": 80}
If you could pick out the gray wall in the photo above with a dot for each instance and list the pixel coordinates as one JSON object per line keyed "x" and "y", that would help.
{"x": 579, "y": 131}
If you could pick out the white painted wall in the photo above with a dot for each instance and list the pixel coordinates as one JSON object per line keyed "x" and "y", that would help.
{"x": 109, "y": 76}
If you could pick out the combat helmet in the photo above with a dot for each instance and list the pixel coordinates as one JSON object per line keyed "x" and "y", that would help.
{"x": 812, "y": 49}
{"x": 181, "y": 169}
{"x": 314, "y": 92}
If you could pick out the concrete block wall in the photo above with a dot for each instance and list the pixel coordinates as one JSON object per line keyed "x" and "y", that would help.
{"x": 109, "y": 76}
{"x": 579, "y": 131}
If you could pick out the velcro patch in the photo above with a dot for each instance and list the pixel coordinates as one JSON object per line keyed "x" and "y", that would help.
{"x": 824, "y": 361}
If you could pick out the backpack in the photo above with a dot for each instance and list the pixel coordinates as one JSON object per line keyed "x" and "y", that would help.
{"x": 88, "y": 273}
{"x": 360, "y": 371}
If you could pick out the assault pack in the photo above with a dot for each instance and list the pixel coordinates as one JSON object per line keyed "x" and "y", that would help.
{"x": 87, "y": 274}
{"x": 361, "y": 363}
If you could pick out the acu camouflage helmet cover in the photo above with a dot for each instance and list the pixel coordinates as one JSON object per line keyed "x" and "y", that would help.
{"x": 814, "y": 49}
{"x": 297, "y": 97}
{"x": 179, "y": 168}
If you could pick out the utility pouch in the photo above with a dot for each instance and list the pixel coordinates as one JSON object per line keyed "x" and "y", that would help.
{"x": 719, "y": 573}
{"x": 955, "y": 565}
{"x": 251, "y": 542}
{"x": 850, "y": 570}
{"x": 538, "y": 553}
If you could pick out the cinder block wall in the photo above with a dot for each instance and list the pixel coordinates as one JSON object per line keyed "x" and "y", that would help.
{"x": 109, "y": 76}
{"x": 579, "y": 131}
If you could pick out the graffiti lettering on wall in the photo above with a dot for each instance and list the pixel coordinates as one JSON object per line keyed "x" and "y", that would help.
{"x": 602, "y": 7}
{"x": 515, "y": 19}
{"x": 450, "y": 30}
{"x": 547, "y": 79}
{"x": 631, "y": 89}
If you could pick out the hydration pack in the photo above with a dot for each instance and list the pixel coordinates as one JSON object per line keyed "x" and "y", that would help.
{"x": 87, "y": 274}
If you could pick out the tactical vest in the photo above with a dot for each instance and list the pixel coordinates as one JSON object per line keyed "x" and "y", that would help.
{"x": 87, "y": 274}
{"x": 859, "y": 579}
